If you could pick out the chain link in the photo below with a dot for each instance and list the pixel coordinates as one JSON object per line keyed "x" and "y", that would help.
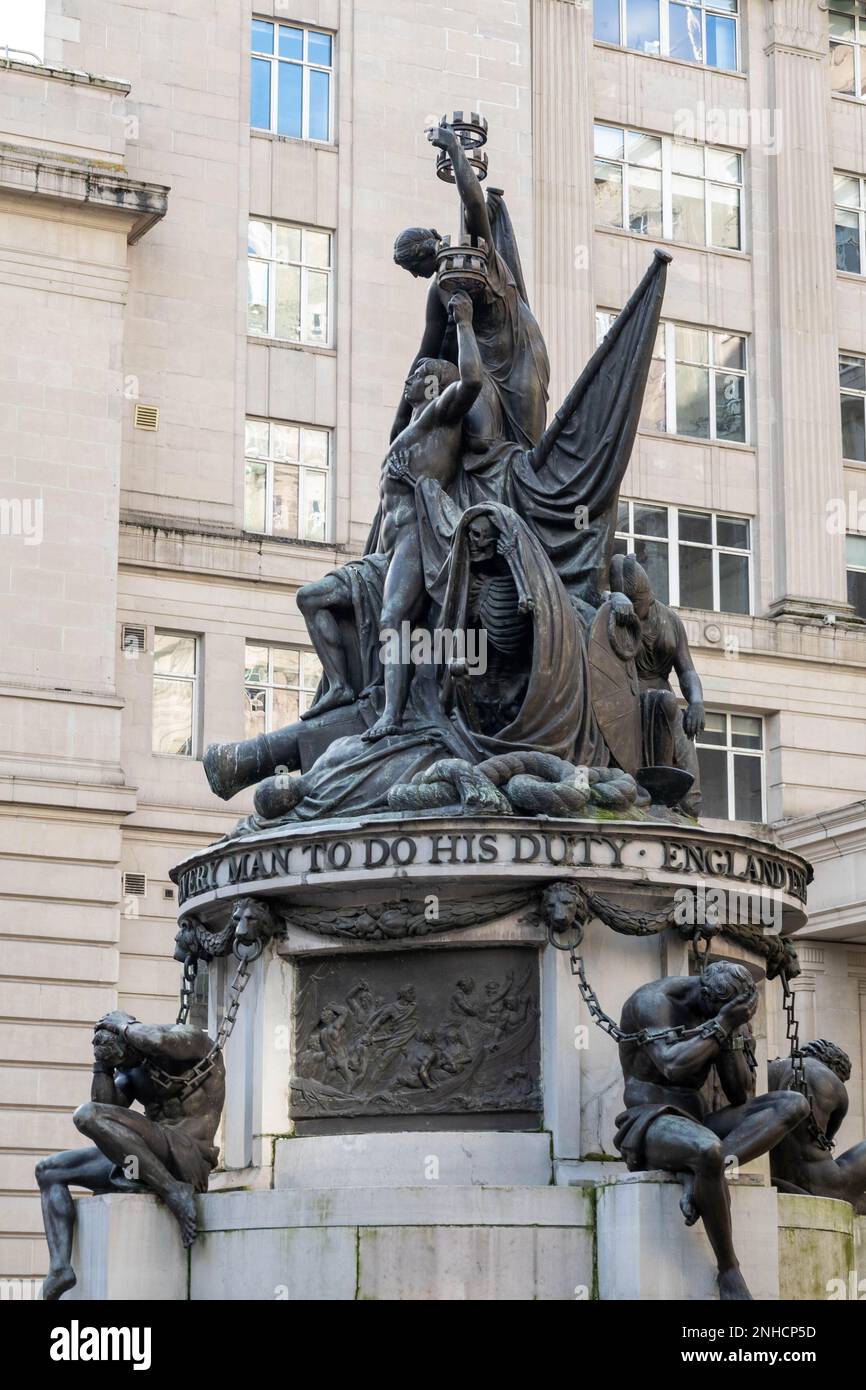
{"x": 187, "y": 988}
{"x": 798, "y": 1066}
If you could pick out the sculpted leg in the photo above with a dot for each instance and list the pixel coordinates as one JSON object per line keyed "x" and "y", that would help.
{"x": 317, "y": 603}
{"x": 76, "y": 1168}
{"x": 404, "y": 588}
{"x": 124, "y": 1134}
{"x": 754, "y": 1128}
{"x": 678, "y": 1145}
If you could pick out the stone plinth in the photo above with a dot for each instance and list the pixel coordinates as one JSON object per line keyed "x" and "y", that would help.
{"x": 816, "y": 1248}
{"x": 645, "y": 1250}
{"x": 127, "y": 1247}
{"x": 463, "y": 1159}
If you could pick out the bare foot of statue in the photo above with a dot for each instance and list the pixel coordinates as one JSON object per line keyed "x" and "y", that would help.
{"x": 687, "y": 1201}
{"x": 732, "y": 1286}
{"x": 181, "y": 1203}
{"x": 333, "y": 697}
{"x": 57, "y": 1282}
{"x": 383, "y": 726}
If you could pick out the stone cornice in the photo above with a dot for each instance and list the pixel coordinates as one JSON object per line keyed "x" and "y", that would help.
{"x": 33, "y": 173}
{"x": 797, "y": 27}
{"x": 70, "y": 76}
{"x": 826, "y": 834}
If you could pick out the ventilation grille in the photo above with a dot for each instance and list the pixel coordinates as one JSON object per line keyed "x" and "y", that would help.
{"x": 168, "y": 894}
{"x": 146, "y": 417}
{"x": 134, "y": 885}
{"x": 132, "y": 639}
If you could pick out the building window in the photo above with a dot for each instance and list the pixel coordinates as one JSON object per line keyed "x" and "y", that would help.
{"x": 731, "y": 758}
{"x": 280, "y": 683}
{"x": 850, "y": 222}
{"x": 696, "y": 384}
{"x": 852, "y": 387}
{"x": 855, "y": 553}
{"x": 703, "y": 33}
{"x": 660, "y": 187}
{"x": 175, "y": 694}
{"x": 291, "y": 81}
{"x": 289, "y": 283}
{"x": 692, "y": 559}
{"x": 286, "y": 475}
{"x": 847, "y": 22}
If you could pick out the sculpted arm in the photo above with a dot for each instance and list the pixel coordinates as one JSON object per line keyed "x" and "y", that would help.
{"x": 734, "y": 1072}
{"x": 470, "y": 190}
{"x": 458, "y": 398}
{"x": 690, "y": 683}
{"x": 161, "y": 1040}
{"x": 431, "y": 346}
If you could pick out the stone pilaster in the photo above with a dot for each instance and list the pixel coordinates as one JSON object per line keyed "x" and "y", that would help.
{"x": 805, "y": 443}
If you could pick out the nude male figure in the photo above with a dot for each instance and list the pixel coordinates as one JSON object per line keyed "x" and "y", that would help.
{"x": 665, "y": 1124}
{"x": 171, "y": 1143}
{"x": 800, "y": 1164}
{"x": 428, "y": 447}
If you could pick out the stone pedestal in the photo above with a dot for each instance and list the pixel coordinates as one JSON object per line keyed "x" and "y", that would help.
{"x": 816, "y": 1248}
{"x": 127, "y": 1247}
{"x": 645, "y": 1250}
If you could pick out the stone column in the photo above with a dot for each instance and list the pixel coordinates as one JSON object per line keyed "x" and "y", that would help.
{"x": 805, "y": 442}
{"x": 562, "y": 164}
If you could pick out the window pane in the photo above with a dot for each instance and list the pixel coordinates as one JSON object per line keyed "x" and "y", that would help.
{"x": 290, "y": 100}
{"x": 729, "y": 350}
{"x": 721, "y": 42}
{"x": 316, "y": 320}
{"x": 853, "y": 433}
{"x": 173, "y": 655}
{"x": 650, "y": 521}
{"x": 608, "y": 141}
{"x": 730, "y": 408}
{"x": 255, "y": 476}
{"x": 284, "y": 708}
{"x": 291, "y": 43}
{"x": 692, "y": 345}
{"x": 846, "y": 190}
{"x": 733, "y": 583}
{"x": 286, "y": 664}
{"x": 689, "y": 215}
{"x": 288, "y": 321}
{"x": 687, "y": 158}
{"x": 725, "y": 216}
{"x": 257, "y": 297}
{"x": 715, "y": 729}
{"x": 848, "y": 241}
{"x": 645, "y": 150}
{"x": 317, "y": 249}
{"x": 653, "y": 414}
{"x": 255, "y": 663}
{"x": 645, "y": 201}
{"x": 693, "y": 402}
{"x": 852, "y": 373}
{"x": 319, "y": 48}
{"x": 314, "y": 447}
{"x": 172, "y": 716}
{"x": 605, "y": 20}
{"x": 608, "y": 193}
{"x": 284, "y": 512}
{"x": 696, "y": 577}
{"x": 254, "y": 713}
{"x": 263, "y": 36}
{"x": 260, "y": 94}
{"x": 284, "y": 443}
{"x": 857, "y": 591}
{"x": 723, "y": 165}
{"x": 653, "y": 555}
{"x": 842, "y": 68}
{"x": 256, "y": 437}
{"x": 259, "y": 238}
{"x": 733, "y": 531}
{"x": 841, "y": 26}
{"x": 315, "y": 505}
{"x": 714, "y": 783}
{"x": 747, "y": 789}
{"x": 320, "y": 105}
{"x": 696, "y": 527}
{"x": 855, "y": 550}
{"x": 686, "y": 43}
{"x": 311, "y": 670}
{"x": 642, "y": 19}
{"x": 745, "y": 731}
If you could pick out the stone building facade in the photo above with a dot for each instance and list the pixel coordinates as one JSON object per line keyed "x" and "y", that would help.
{"x": 197, "y": 384}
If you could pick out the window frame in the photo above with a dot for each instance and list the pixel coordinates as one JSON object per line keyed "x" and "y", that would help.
{"x": 272, "y": 262}
{"x": 306, "y": 67}
{"x": 731, "y": 752}
{"x": 195, "y": 717}
{"x": 852, "y": 568}
{"x": 302, "y": 468}
{"x": 672, "y": 540}
{"x": 857, "y": 394}
{"x": 857, "y": 44}
{"x": 270, "y": 685}
{"x": 705, "y": 6}
{"x": 668, "y": 142}
{"x": 860, "y": 211}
